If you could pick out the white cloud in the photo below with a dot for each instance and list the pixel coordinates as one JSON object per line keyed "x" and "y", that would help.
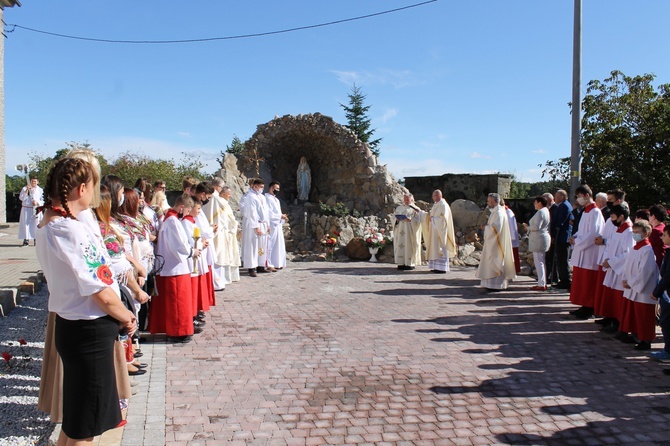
{"x": 183, "y": 134}
{"x": 538, "y": 151}
{"x": 389, "y": 114}
{"x": 479, "y": 155}
{"x": 384, "y": 76}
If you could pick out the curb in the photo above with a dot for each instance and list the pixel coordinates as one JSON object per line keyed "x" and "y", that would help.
{"x": 10, "y": 297}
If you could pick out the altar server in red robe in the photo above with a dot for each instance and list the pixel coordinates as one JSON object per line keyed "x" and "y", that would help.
{"x": 584, "y": 259}
{"x": 640, "y": 276}
{"x": 172, "y": 310}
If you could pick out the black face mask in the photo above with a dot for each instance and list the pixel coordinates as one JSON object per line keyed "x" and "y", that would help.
{"x": 204, "y": 202}
{"x": 616, "y": 222}
{"x": 610, "y": 204}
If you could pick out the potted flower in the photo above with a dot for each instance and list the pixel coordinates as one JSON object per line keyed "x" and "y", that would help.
{"x": 329, "y": 243}
{"x": 374, "y": 239}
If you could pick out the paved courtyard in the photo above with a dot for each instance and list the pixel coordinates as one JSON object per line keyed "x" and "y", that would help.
{"x": 358, "y": 353}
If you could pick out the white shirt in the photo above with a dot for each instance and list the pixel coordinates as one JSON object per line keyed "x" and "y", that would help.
{"x": 76, "y": 266}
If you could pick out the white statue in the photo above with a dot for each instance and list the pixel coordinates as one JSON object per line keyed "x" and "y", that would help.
{"x": 304, "y": 180}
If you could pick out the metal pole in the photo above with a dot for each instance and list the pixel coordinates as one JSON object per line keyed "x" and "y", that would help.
{"x": 575, "y": 153}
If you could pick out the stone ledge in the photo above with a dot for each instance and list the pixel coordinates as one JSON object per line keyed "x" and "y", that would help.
{"x": 12, "y": 296}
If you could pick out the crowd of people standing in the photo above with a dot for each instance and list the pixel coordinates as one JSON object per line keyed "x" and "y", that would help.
{"x": 121, "y": 261}
{"x": 614, "y": 268}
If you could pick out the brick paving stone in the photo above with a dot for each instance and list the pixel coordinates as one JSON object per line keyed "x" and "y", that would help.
{"x": 356, "y": 353}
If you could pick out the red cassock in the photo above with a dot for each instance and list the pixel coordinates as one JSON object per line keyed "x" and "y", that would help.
{"x": 172, "y": 310}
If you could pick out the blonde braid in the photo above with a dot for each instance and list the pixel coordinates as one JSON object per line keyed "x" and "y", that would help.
{"x": 66, "y": 175}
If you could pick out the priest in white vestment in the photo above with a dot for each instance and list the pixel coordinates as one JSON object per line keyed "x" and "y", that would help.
{"x": 255, "y": 230}
{"x": 407, "y": 234}
{"x": 438, "y": 234}
{"x": 31, "y": 196}
{"x": 230, "y": 256}
{"x": 496, "y": 266}
{"x": 213, "y": 212}
{"x": 276, "y": 243}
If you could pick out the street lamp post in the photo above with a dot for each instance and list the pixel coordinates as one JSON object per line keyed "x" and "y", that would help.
{"x": 575, "y": 152}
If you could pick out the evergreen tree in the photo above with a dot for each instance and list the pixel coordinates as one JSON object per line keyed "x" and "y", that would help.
{"x": 358, "y": 120}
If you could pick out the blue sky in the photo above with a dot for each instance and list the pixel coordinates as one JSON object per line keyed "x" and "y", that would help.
{"x": 454, "y": 86}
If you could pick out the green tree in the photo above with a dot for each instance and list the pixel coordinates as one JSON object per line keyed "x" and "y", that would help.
{"x": 358, "y": 120}
{"x": 14, "y": 183}
{"x": 236, "y": 146}
{"x": 557, "y": 173}
{"x": 626, "y": 137}
{"x": 130, "y": 166}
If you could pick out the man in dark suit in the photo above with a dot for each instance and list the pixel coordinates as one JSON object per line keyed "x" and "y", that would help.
{"x": 561, "y": 230}
{"x": 549, "y": 257}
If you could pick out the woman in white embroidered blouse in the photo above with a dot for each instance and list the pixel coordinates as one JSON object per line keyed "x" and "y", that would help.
{"x": 85, "y": 298}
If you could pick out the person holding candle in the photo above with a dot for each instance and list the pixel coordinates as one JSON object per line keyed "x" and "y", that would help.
{"x": 198, "y": 266}
{"x": 172, "y": 310}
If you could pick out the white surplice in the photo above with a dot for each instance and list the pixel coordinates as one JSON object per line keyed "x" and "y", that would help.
{"x": 276, "y": 243}
{"x": 255, "y": 216}
{"x": 31, "y": 198}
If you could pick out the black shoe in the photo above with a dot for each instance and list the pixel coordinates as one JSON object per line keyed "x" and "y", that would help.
{"x": 201, "y": 315}
{"x": 179, "y": 339}
{"x": 260, "y": 269}
{"x": 138, "y": 354}
{"x": 197, "y": 330}
{"x": 603, "y": 321}
{"x": 577, "y": 311}
{"x": 628, "y": 339}
{"x": 410, "y": 268}
{"x": 562, "y": 286}
{"x": 437, "y": 271}
{"x": 199, "y": 322}
{"x": 643, "y": 345}
{"x": 252, "y": 273}
{"x": 584, "y": 315}
{"x": 611, "y": 328}
{"x": 25, "y": 242}
{"x": 137, "y": 372}
{"x": 666, "y": 371}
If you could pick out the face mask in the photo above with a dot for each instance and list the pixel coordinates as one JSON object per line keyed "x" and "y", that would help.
{"x": 581, "y": 201}
{"x": 123, "y": 198}
{"x": 204, "y": 202}
{"x": 616, "y": 222}
{"x": 610, "y": 204}
{"x": 637, "y": 237}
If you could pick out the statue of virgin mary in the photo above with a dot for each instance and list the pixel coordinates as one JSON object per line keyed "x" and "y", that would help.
{"x": 304, "y": 180}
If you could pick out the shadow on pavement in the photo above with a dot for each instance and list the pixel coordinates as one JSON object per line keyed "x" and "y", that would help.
{"x": 545, "y": 360}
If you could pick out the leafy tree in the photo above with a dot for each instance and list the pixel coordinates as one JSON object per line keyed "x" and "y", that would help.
{"x": 358, "y": 120}
{"x": 236, "y": 146}
{"x": 558, "y": 174}
{"x": 15, "y": 183}
{"x": 130, "y": 166}
{"x": 626, "y": 137}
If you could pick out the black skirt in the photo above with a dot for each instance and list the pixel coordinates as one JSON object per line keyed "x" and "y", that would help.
{"x": 90, "y": 399}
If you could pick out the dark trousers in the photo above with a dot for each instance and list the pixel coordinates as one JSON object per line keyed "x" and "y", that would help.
{"x": 664, "y": 320}
{"x": 552, "y": 275}
{"x": 561, "y": 267}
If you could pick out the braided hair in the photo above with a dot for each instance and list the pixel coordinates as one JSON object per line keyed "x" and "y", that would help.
{"x": 66, "y": 175}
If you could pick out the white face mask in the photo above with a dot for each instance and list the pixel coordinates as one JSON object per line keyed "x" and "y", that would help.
{"x": 637, "y": 237}
{"x": 581, "y": 201}
{"x": 122, "y": 199}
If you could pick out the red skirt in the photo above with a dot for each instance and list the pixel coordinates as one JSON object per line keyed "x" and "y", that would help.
{"x": 611, "y": 303}
{"x": 583, "y": 289}
{"x": 639, "y": 318}
{"x": 600, "y": 289}
{"x": 200, "y": 292}
{"x": 210, "y": 283}
{"x": 171, "y": 312}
